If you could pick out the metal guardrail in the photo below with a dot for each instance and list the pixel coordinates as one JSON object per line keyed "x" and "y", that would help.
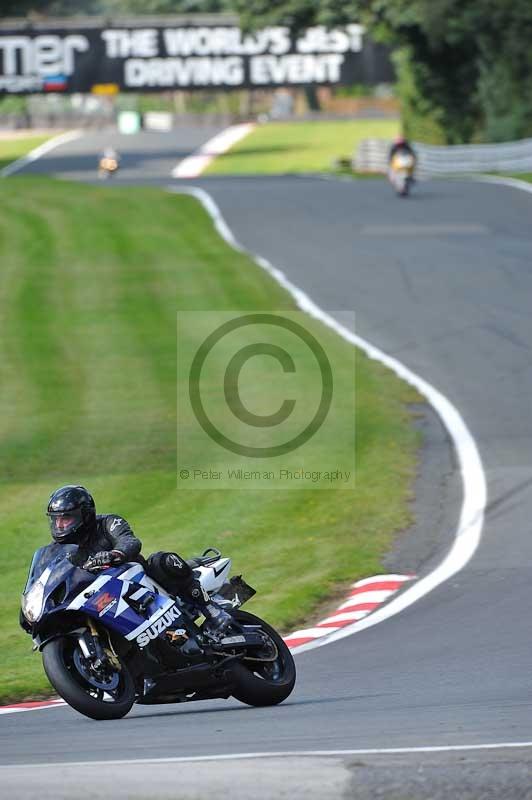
{"x": 372, "y": 156}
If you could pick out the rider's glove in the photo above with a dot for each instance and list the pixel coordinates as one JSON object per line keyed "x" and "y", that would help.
{"x": 103, "y": 559}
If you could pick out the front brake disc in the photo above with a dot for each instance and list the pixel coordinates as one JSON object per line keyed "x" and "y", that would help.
{"x": 99, "y": 681}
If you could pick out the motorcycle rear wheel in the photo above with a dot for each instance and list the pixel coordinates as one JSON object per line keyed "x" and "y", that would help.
{"x": 268, "y": 684}
{"x": 59, "y": 661}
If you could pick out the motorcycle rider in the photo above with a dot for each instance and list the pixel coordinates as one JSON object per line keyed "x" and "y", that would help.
{"x": 111, "y": 153}
{"x": 106, "y": 540}
{"x": 108, "y": 162}
{"x": 401, "y": 145}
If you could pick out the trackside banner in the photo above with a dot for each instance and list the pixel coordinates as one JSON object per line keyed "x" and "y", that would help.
{"x": 158, "y": 58}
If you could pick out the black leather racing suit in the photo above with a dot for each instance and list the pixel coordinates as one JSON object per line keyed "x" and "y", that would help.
{"x": 114, "y": 533}
{"x": 111, "y": 532}
{"x": 403, "y": 147}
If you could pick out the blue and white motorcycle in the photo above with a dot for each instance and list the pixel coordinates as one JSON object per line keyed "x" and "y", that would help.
{"x": 116, "y": 638}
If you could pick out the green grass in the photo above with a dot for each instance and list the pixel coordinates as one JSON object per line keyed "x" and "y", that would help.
{"x": 291, "y": 147}
{"x": 91, "y": 281}
{"x": 11, "y": 149}
{"x": 523, "y": 176}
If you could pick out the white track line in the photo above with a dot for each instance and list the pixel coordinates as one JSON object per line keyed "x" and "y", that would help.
{"x": 469, "y": 530}
{"x": 363, "y": 599}
{"x": 193, "y": 165}
{"x": 37, "y": 152}
{"x": 514, "y": 183}
{"x": 366, "y": 751}
{"x": 17, "y": 708}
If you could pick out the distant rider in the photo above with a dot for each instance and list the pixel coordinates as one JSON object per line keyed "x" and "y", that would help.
{"x": 401, "y": 145}
{"x": 110, "y": 153}
{"x": 106, "y": 540}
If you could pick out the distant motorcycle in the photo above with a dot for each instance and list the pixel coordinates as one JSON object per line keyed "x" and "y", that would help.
{"x": 116, "y": 638}
{"x": 401, "y": 172}
{"x": 107, "y": 166}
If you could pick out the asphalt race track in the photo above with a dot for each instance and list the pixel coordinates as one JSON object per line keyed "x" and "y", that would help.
{"x": 442, "y": 281}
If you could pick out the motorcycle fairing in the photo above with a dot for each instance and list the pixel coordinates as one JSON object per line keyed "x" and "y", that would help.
{"x": 403, "y": 161}
{"x": 102, "y": 597}
{"x": 109, "y": 596}
{"x": 213, "y": 576}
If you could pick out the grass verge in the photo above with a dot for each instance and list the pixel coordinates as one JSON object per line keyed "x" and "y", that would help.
{"x": 11, "y": 149}
{"x": 523, "y": 176}
{"x": 89, "y": 291}
{"x": 292, "y": 147}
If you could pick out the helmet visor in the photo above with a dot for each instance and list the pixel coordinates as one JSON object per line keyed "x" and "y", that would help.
{"x": 63, "y": 524}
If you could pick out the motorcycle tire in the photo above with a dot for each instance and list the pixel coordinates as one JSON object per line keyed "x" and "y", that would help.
{"x": 406, "y": 187}
{"x": 253, "y": 685}
{"x": 65, "y": 677}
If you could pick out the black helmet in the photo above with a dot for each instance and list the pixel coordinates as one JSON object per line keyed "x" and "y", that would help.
{"x": 72, "y": 514}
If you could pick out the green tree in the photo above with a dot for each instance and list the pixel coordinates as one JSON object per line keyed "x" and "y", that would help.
{"x": 504, "y": 87}
{"x": 471, "y": 62}
{"x": 164, "y": 6}
{"x": 51, "y": 8}
{"x": 465, "y": 66}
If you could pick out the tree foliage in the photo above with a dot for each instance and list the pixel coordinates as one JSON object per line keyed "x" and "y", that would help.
{"x": 463, "y": 65}
{"x": 55, "y": 8}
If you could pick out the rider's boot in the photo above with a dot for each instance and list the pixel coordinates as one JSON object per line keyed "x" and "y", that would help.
{"x": 218, "y": 620}
{"x": 189, "y": 587}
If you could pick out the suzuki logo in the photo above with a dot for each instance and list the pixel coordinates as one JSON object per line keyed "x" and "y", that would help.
{"x": 158, "y": 626}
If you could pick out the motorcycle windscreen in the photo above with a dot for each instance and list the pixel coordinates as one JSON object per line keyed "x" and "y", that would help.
{"x": 46, "y": 557}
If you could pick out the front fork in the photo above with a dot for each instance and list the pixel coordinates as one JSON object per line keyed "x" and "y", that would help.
{"x": 98, "y": 655}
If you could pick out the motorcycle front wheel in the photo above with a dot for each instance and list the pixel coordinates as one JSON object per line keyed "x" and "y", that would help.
{"x": 268, "y": 682}
{"x": 406, "y": 189}
{"x": 108, "y": 695}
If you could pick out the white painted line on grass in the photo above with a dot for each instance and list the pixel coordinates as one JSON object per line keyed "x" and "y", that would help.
{"x": 469, "y": 530}
{"x": 39, "y": 151}
{"x": 193, "y": 165}
{"x": 365, "y": 751}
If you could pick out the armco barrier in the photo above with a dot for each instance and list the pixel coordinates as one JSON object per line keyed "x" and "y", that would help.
{"x": 372, "y": 156}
